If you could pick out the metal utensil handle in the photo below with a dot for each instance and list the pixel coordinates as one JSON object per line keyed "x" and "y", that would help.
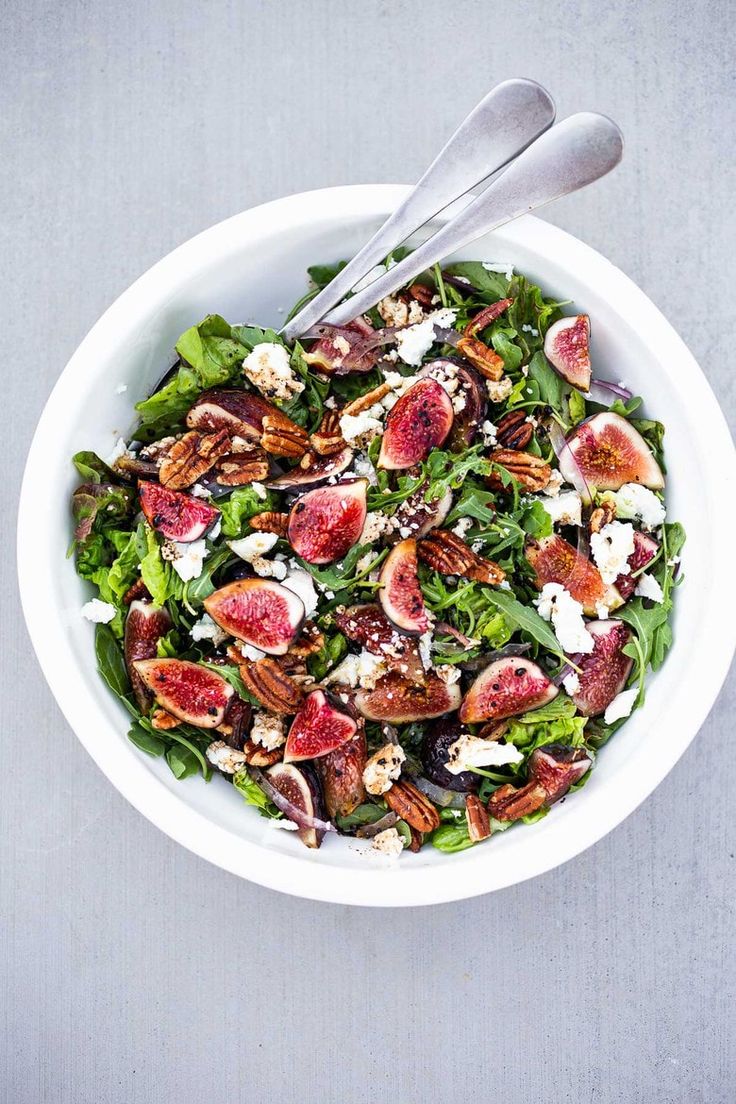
{"x": 505, "y": 121}
{"x": 574, "y": 153}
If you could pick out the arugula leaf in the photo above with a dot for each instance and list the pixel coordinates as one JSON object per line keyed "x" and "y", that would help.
{"x": 525, "y": 618}
{"x": 182, "y": 761}
{"x": 449, "y": 470}
{"x": 156, "y": 573}
{"x": 323, "y": 274}
{"x": 166, "y": 409}
{"x": 343, "y": 574}
{"x": 475, "y": 502}
{"x": 329, "y": 655}
{"x": 146, "y": 741}
{"x": 368, "y": 813}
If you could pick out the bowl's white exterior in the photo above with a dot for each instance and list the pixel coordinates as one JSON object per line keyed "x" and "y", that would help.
{"x": 251, "y": 267}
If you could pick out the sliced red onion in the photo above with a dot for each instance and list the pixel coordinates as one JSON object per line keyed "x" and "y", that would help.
{"x": 325, "y": 330}
{"x": 448, "y": 799}
{"x": 483, "y": 661}
{"x": 293, "y": 812}
{"x": 605, "y": 393}
{"x": 567, "y": 669}
{"x": 562, "y": 449}
{"x": 368, "y": 831}
{"x": 365, "y": 345}
{"x": 583, "y": 543}
{"x": 458, "y": 282}
{"x": 449, "y": 630}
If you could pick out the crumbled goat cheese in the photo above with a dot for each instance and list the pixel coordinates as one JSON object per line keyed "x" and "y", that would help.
{"x": 388, "y": 843}
{"x": 393, "y": 311}
{"x": 557, "y": 605}
{"x": 565, "y": 509}
{"x": 363, "y": 468}
{"x": 269, "y": 569}
{"x": 268, "y": 369}
{"x": 376, "y": 524}
{"x": 621, "y": 705}
{"x": 602, "y": 611}
{"x": 415, "y": 341}
{"x": 472, "y": 751}
{"x": 425, "y": 649}
{"x": 449, "y": 673}
{"x": 121, "y": 389}
{"x": 499, "y": 390}
{"x": 488, "y": 431}
{"x": 253, "y": 546}
{"x": 364, "y": 562}
{"x": 360, "y": 429}
{"x": 611, "y": 548}
{"x": 249, "y": 651}
{"x": 198, "y": 491}
{"x": 260, "y": 491}
{"x": 362, "y": 670}
{"x": 206, "y": 629}
{"x": 215, "y": 531}
{"x": 633, "y": 501}
{"x": 227, "y": 759}
{"x": 555, "y": 483}
{"x": 187, "y": 560}
{"x": 571, "y": 683}
{"x": 506, "y": 270}
{"x": 121, "y": 449}
{"x": 648, "y": 587}
{"x": 301, "y": 584}
{"x": 98, "y": 612}
{"x": 462, "y": 525}
{"x": 267, "y": 731}
{"x": 383, "y": 768}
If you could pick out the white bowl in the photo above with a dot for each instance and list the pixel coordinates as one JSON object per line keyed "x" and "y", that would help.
{"x": 251, "y": 267}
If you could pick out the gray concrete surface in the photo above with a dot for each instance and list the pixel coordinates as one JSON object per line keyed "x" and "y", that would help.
{"x": 130, "y": 970}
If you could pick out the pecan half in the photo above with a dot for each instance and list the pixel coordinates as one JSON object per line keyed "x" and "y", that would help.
{"x": 422, "y": 294}
{"x": 411, "y": 805}
{"x": 357, "y": 406}
{"x": 417, "y": 839}
{"x": 191, "y": 456}
{"x": 479, "y": 825}
{"x": 257, "y": 756}
{"x": 282, "y": 437}
{"x": 273, "y": 688}
{"x": 270, "y": 522}
{"x": 239, "y": 468}
{"x": 494, "y": 730}
{"x": 327, "y": 439}
{"x": 309, "y": 643}
{"x": 514, "y": 431}
{"x": 163, "y": 721}
{"x": 530, "y": 471}
{"x": 445, "y": 552}
{"x": 510, "y": 803}
{"x": 137, "y": 590}
{"x": 484, "y": 317}
{"x": 488, "y": 363}
{"x": 601, "y": 516}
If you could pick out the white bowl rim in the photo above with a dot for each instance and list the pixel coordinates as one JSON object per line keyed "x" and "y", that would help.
{"x": 171, "y": 813}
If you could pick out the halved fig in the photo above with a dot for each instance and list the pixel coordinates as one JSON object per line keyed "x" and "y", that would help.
{"x": 610, "y": 452}
{"x": 435, "y": 746}
{"x": 177, "y": 516}
{"x": 301, "y": 789}
{"x": 259, "y": 611}
{"x": 420, "y": 516}
{"x": 318, "y": 728}
{"x": 339, "y": 351}
{"x": 645, "y": 549}
{"x": 240, "y": 412}
{"x": 325, "y": 523}
{"x": 556, "y": 561}
{"x": 566, "y": 347}
{"x": 341, "y": 775}
{"x": 419, "y": 422}
{"x": 369, "y": 626}
{"x": 145, "y": 624}
{"x": 509, "y": 686}
{"x": 312, "y": 470}
{"x": 470, "y": 387}
{"x": 557, "y": 768}
{"x": 192, "y": 693}
{"x": 400, "y": 594}
{"x": 604, "y": 671}
{"x": 397, "y": 700}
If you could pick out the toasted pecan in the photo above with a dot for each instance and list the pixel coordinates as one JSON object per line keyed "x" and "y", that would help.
{"x": 445, "y": 552}
{"x": 270, "y": 522}
{"x": 309, "y": 641}
{"x": 514, "y": 431}
{"x": 327, "y": 439}
{"x": 239, "y": 468}
{"x": 530, "y": 471}
{"x": 411, "y": 805}
{"x": 273, "y": 688}
{"x": 257, "y": 756}
{"x": 282, "y": 437}
{"x": 484, "y": 317}
{"x": 162, "y": 721}
{"x": 510, "y": 803}
{"x": 479, "y": 825}
{"x": 602, "y": 516}
{"x": 488, "y": 363}
{"x": 364, "y": 402}
{"x": 191, "y": 456}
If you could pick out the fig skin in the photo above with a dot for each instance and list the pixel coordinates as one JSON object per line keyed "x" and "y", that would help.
{"x": 420, "y": 516}
{"x": 187, "y": 690}
{"x": 645, "y": 549}
{"x": 369, "y": 626}
{"x": 506, "y": 688}
{"x": 554, "y": 560}
{"x": 434, "y": 754}
{"x": 420, "y": 421}
{"x": 557, "y": 768}
{"x": 398, "y": 701}
{"x": 145, "y": 624}
{"x": 466, "y": 421}
{"x": 400, "y": 594}
{"x": 341, "y": 775}
{"x": 260, "y": 612}
{"x": 605, "y": 670}
{"x": 317, "y": 729}
{"x": 177, "y": 516}
{"x": 324, "y": 524}
{"x": 311, "y": 471}
{"x": 300, "y": 786}
{"x": 610, "y": 452}
{"x": 238, "y": 411}
{"x": 566, "y": 347}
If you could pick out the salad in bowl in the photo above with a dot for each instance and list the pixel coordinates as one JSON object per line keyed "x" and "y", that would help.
{"x": 399, "y": 581}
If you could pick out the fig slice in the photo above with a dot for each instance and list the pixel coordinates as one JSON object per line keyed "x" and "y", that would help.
{"x": 341, "y": 775}
{"x": 645, "y": 549}
{"x": 177, "y": 516}
{"x": 145, "y": 624}
{"x": 325, "y": 523}
{"x": 189, "y": 691}
{"x": 609, "y": 452}
{"x": 472, "y": 410}
{"x": 302, "y": 799}
{"x": 400, "y": 594}
{"x": 312, "y": 470}
{"x": 557, "y": 768}
{"x": 318, "y": 728}
{"x": 604, "y": 671}
{"x": 398, "y": 701}
{"x": 506, "y": 688}
{"x": 554, "y": 560}
{"x": 419, "y": 516}
{"x": 566, "y": 347}
{"x": 369, "y": 626}
{"x": 260, "y": 612}
{"x": 238, "y": 411}
{"x": 417, "y": 423}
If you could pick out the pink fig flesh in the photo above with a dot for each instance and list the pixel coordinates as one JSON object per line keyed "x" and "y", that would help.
{"x": 400, "y": 593}
{"x": 300, "y": 788}
{"x": 259, "y": 611}
{"x": 369, "y": 626}
{"x": 312, "y": 470}
{"x": 317, "y": 729}
{"x": 330, "y": 355}
{"x": 192, "y": 693}
{"x": 554, "y": 560}
{"x": 240, "y": 412}
{"x": 605, "y": 670}
{"x": 566, "y": 347}
{"x": 176, "y": 516}
{"x": 145, "y": 624}
{"x": 506, "y": 688}
{"x": 558, "y": 768}
{"x": 419, "y": 422}
{"x": 609, "y": 452}
{"x": 645, "y": 549}
{"x": 325, "y": 523}
{"x": 397, "y": 700}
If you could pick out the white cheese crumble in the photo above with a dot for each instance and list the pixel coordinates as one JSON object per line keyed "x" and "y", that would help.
{"x": 499, "y": 390}
{"x": 376, "y": 524}
{"x": 611, "y": 548}
{"x": 564, "y": 509}
{"x": 268, "y": 369}
{"x": 396, "y": 312}
{"x": 260, "y": 490}
{"x": 472, "y": 751}
{"x": 488, "y": 432}
{"x": 505, "y": 269}
{"x": 301, "y": 584}
{"x": 198, "y": 491}
{"x": 249, "y": 651}
{"x": 383, "y": 768}
{"x": 227, "y": 759}
{"x": 461, "y": 526}
{"x": 363, "y": 468}
{"x": 121, "y": 449}
{"x": 556, "y": 482}
{"x": 648, "y": 587}
{"x": 206, "y": 629}
{"x": 254, "y": 545}
{"x": 267, "y": 731}
{"x": 557, "y": 605}
{"x": 425, "y": 649}
{"x": 621, "y": 705}
{"x": 388, "y": 843}
{"x": 360, "y": 429}
{"x": 362, "y": 670}
{"x": 98, "y": 612}
{"x": 187, "y": 560}
{"x": 571, "y": 683}
{"x": 633, "y": 501}
{"x": 415, "y": 341}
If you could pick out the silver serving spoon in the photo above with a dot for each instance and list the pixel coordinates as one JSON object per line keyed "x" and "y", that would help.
{"x": 505, "y": 121}
{"x": 574, "y": 153}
